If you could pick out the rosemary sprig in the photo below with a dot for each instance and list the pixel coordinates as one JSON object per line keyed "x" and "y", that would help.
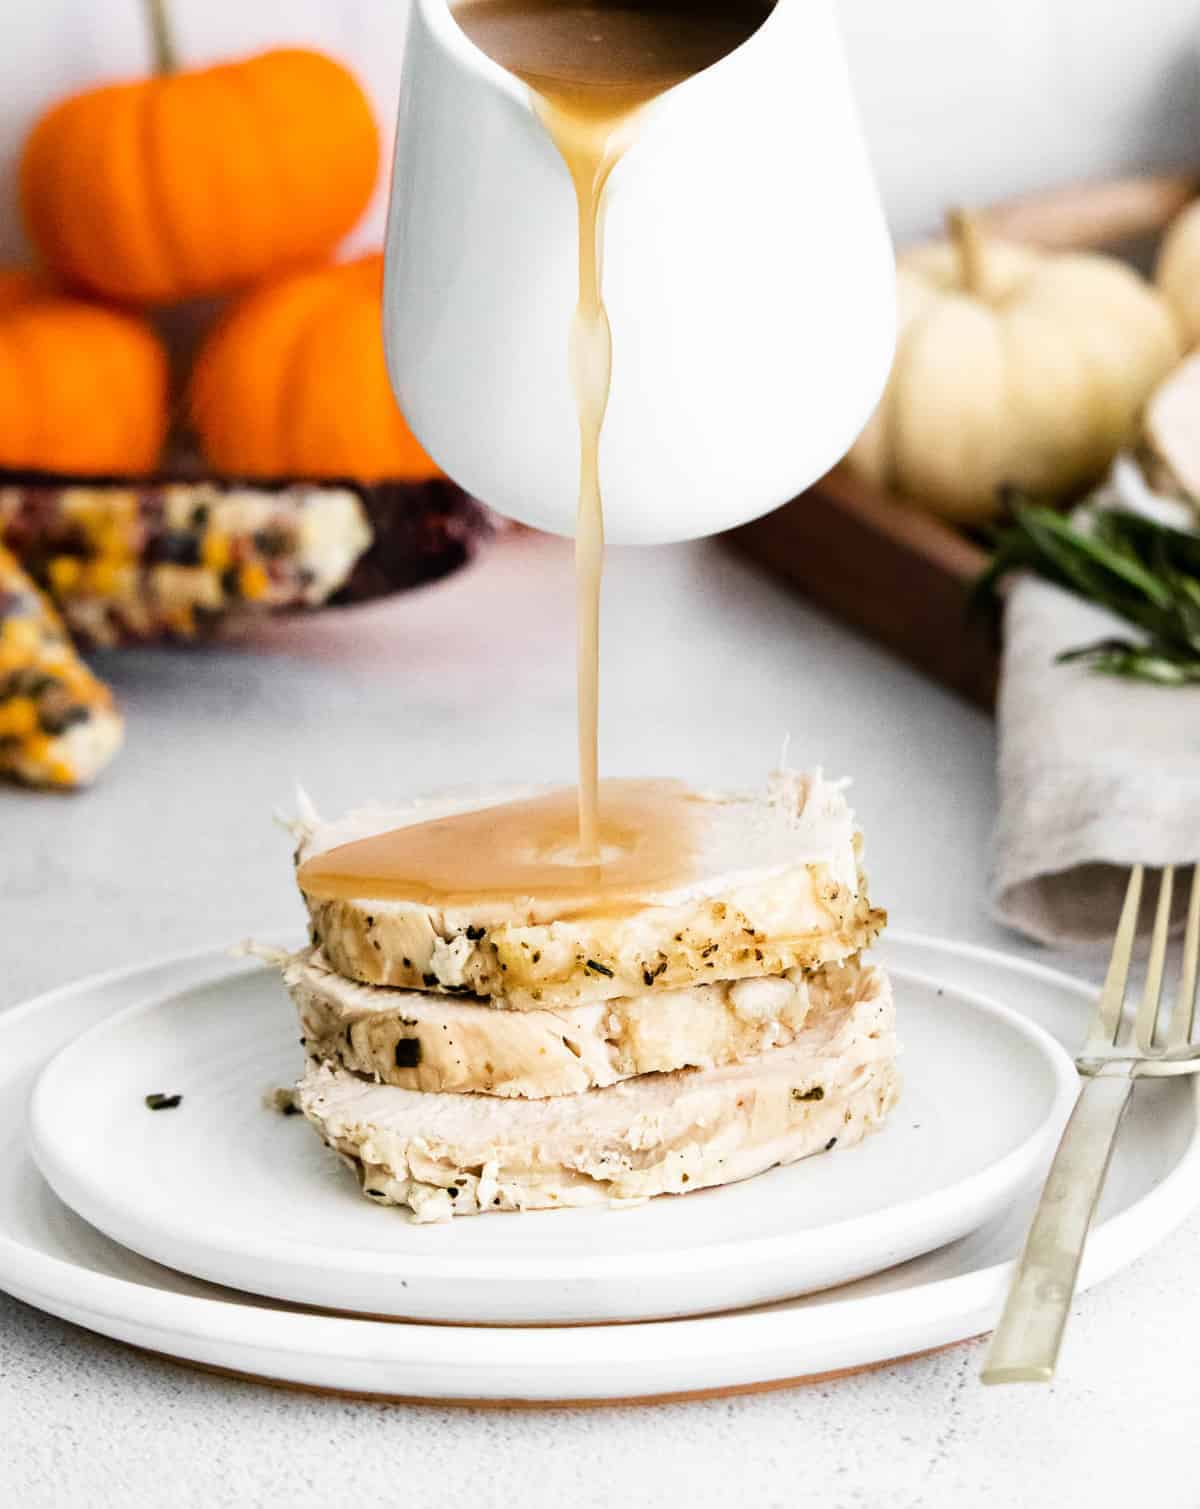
{"x": 1145, "y": 572}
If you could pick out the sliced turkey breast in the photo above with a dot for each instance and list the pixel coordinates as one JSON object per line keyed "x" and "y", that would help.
{"x": 444, "y": 1155}
{"x": 425, "y": 1041}
{"x": 775, "y": 886}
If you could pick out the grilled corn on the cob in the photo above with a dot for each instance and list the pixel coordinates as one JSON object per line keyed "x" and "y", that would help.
{"x": 58, "y": 725}
{"x": 173, "y": 559}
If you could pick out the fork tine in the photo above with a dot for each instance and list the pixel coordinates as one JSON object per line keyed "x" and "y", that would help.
{"x": 1179, "y": 1033}
{"x": 1107, "y": 1020}
{"x": 1026, "y": 1342}
{"x": 1147, "y": 1012}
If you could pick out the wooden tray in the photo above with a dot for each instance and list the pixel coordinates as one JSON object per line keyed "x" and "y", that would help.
{"x": 901, "y": 576}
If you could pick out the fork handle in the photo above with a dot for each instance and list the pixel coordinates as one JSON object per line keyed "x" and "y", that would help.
{"x": 1025, "y": 1344}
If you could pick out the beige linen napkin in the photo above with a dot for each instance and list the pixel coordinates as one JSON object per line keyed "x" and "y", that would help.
{"x": 1095, "y": 772}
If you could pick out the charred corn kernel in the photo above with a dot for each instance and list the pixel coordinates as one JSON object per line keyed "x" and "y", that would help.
{"x": 216, "y": 552}
{"x": 64, "y": 572}
{"x": 116, "y": 540}
{"x": 18, "y": 718}
{"x": 93, "y": 508}
{"x": 100, "y": 578}
{"x": 19, "y": 637}
{"x": 175, "y": 588}
{"x": 58, "y": 726}
{"x": 181, "y": 620}
{"x": 254, "y": 582}
{"x": 61, "y": 660}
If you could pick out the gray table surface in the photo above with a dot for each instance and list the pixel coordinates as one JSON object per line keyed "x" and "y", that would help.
{"x": 707, "y": 666}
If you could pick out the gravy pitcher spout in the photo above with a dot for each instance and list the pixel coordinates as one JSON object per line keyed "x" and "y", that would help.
{"x": 745, "y": 267}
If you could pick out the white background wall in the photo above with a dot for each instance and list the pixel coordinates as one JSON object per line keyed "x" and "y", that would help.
{"x": 964, "y": 100}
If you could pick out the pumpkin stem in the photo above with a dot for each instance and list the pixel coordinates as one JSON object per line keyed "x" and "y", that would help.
{"x": 162, "y": 40}
{"x": 967, "y": 240}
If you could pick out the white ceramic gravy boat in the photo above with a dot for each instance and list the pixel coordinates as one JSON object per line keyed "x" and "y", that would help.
{"x": 747, "y": 272}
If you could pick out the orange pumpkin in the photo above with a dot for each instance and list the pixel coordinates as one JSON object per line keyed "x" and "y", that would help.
{"x": 292, "y": 382}
{"x": 17, "y": 286}
{"x": 82, "y": 389}
{"x": 199, "y": 182}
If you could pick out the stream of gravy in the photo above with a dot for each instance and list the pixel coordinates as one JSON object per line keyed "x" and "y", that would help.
{"x": 591, "y": 68}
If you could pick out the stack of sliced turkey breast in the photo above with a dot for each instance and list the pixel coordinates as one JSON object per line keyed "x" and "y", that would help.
{"x": 497, "y": 1056}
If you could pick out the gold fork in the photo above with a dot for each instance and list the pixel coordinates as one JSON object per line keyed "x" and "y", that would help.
{"x": 1026, "y": 1343}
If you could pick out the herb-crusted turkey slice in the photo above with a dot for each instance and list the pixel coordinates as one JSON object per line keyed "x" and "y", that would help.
{"x": 777, "y": 887}
{"x": 426, "y": 1041}
{"x": 445, "y": 1155}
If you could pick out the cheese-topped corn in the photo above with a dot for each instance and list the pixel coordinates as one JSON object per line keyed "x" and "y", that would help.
{"x": 58, "y": 725}
{"x": 174, "y": 559}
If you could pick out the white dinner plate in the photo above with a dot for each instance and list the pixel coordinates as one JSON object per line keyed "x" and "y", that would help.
{"x": 53, "y": 1259}
{"x": 225, "y": 1189}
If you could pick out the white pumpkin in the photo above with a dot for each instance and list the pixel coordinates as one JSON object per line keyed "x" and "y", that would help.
{"x": 1177, "y": 272}
{"x": 1171, "y": 439}
{"x": 1013, "y": 367}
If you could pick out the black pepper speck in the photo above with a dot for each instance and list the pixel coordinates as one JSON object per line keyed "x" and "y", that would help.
{"x": 408, "y": 1052}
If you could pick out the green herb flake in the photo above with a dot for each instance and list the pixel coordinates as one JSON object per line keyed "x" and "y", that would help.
{"x": 816, "y": 1093}
{"x": 650, "y": 975}
{"x": 160, "y": 1102}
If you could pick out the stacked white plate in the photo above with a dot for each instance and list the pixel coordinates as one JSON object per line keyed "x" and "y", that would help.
{"x": 224, "y": 1234}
